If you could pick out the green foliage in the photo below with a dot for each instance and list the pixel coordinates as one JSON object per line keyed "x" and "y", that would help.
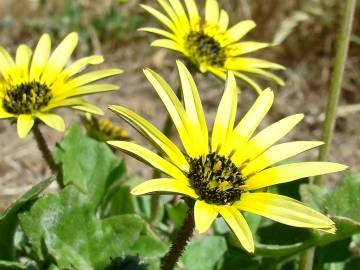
{"x": 88, "y": 164}
{"x": 8, "y": 220}
{"x": 62, "y": 226}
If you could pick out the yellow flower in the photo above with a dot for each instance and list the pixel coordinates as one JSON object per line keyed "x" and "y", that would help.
{"x": 210, "y": 45}
{"x": 227, "y": 176}
{"x": 36, "y": 83}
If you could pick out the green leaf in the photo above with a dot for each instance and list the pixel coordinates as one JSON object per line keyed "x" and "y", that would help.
{"x": 88, "y": 164}
{"x": 203, "y": 253}
{"x": 6, "y": 265}
{"x": 177, "y": 213}
{"x": 119, "y": 201}
{"x": 75, "y": 237}
{"x": 8, "y": 220}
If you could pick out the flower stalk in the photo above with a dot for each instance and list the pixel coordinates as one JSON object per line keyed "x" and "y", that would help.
{"x": 343, "y": 40}
{"x": 178, "y": 246}
{"x": 45, "y": 151}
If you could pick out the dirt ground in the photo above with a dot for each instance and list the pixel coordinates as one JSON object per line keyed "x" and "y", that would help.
{"x": 307, "y": 53}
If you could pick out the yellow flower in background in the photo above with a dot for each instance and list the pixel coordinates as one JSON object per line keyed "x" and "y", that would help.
{"x": 225, "y": 177}
{"x": 210, "y": 44}
{"x": 36, "y": 83}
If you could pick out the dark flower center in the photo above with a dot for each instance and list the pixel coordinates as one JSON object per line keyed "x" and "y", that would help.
{"x": 216, "y": 179}
{"x": 205, "y": 49}
{"x": 26, "y": 98}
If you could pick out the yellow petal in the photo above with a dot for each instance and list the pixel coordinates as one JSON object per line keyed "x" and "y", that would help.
{"x": 150, "y": 158}
{"x": 5, "y": 114}
{"x": 159, "y": 32}
{"x": 168, "y": 44}
{"x": 251, "y": 120}
{"x": 264, "y": 73}
{"x": 62, "y": 52}
{"x": 223, "y": 20}
{"x": 40, "y": 57}
{"x": 89, "y": 77}
{"x": 181, "y": 14}
{"x": 88, "y": 89}
{"x": 52, "y": 120}
{"x": 290, "y": 172}
{"x": 164, "y": 185}
{"x": 193, "y": 106}
{"x": 172, "y": 14}
{"x": 160, "y": 16}
{"x": 240, "y": 63}
{"x": 157, "y": 138}
{"x": 80, "y": 64}
{"x": 88, "y": 107}
{"x": 285, "y": 210}
{"x": 225, "y": 116}
{"x": 176, "y": 111}
{"x": 266, "y": 138}
{"x": 24, "y": 124}
{"x": 23, "y": 58}
{"x": 204, "y": 215}
{"x": 277, "y": 153}
{"x": 246, "y": 47}
{"x": 239, "y": 30}
{"x": 193, "y": 12}
{"x": 248, "y": 80}
{"x": 211, "y": 12}
{"x": 239, "y": 226}
{"x": 6, "y": 61}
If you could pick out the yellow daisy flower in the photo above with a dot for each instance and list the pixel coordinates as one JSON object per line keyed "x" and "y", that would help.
{"x": 226, "y": 177}
{"x": 210, "y": 44}
{"x": 36, "y": 83}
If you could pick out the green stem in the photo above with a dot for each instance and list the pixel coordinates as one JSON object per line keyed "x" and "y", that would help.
{"x": 306, "y": 260}
{"x": 155, "y": 204}
{"x": 45, "y": 151}
{"x": 336, "y": 81}
{"x": 178, "y": 246}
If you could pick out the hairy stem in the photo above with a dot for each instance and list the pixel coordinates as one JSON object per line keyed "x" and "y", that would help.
{"x": 45, "y": 151}
{"x": 180, "y": 242}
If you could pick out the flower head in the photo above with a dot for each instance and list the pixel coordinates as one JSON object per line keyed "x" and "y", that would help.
{"x": 224, "y": 174}
{"x": 36, "y": 83}
{"x": 209, "y": 43}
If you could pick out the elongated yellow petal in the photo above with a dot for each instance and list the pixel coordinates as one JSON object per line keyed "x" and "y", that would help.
{"x": 160, "y": 16}
{"x": 211, "y": 12}
{"x": 62, "y": 53}
{"x": 157, "y": 138}
{"x": 192, "y": 12}
{"x": 80, "y": 64}
{"x": 193, "y": 106}
{"x": 265, "y": 74}
{"x": 289, "y": 172}
{"x": 88, "y": 89}
{"x": 23, "y": 58}
{"x": 204, "y": 215}
{"x": 266, "y": 138}
{"x": 150, "y": 158}
{"x": 246, "y": 47}
{"x": 277, "y": 153}
{"x": 40, "y": 57}
{"x": 159, "y": 32}
{"x": 176, "y": 111}
{"x": 250, "y": 121}
{"x": 24, "y": 124}
{"x": 88, "y": 78}
{"x": 249, "y": 81}
{"x": 88, "y": 107}
{"x": 6, "y": 61}
{"x": 239, "y": 226}
{"x": 239, "y": 30}
{"x": 5, "y": 114}
{"x": 52, "y": 120}
{"x": 223, "y": 20}
{"x": 164, "y": 185}
{"x": 181, "y": 14}
{"x": 225, "y": 116}
{"x": 168, "y": 44}
{"x": 285, "y": 210}
{"x": 240, "y": 63}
